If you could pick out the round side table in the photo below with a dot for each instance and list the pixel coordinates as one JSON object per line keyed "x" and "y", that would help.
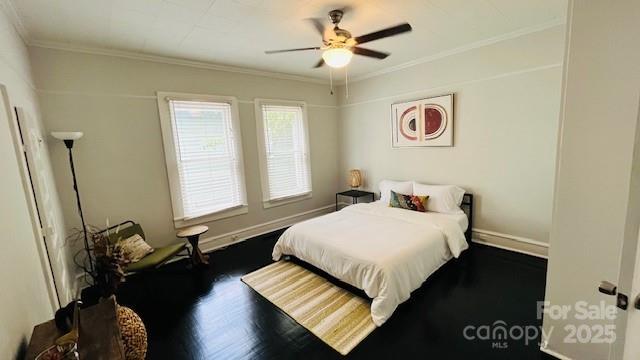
{"x": 192, "y": 234}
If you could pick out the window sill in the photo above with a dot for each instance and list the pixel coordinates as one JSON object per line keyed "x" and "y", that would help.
{"x": 222, "y": 214}
{"x": 288, "y": 200}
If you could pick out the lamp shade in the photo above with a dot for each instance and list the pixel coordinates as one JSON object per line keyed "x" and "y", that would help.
{"x": 67, "y": 135}
{"x": 355, "y": 178}
{"x": 337, "y": 57}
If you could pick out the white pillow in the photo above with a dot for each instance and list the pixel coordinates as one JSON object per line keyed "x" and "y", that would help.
{"x": 401, "y": 187}
{"x": 442, "y": 198}
{"x": 134, "y": 248}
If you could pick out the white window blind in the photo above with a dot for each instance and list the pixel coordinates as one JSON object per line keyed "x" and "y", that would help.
{"x": 206, "y": 148}
{"x": 286, "y": 152}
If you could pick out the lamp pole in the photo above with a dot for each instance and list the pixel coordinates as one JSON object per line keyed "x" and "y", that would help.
{"x": 69, "y": 144}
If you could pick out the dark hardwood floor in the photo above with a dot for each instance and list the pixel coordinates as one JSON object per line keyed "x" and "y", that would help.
{"x": 211, "y": 314}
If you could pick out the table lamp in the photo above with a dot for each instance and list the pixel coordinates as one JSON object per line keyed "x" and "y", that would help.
{"x": 355, "y": 178}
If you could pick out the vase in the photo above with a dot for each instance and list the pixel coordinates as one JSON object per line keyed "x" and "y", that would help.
{"x": 133, "y": 332}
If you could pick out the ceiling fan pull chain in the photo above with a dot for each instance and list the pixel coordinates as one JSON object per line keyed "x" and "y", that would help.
{"x": 331, "y": 81}
{"x": 346, "y": 82}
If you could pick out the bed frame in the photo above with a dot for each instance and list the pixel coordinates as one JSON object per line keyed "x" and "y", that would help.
{"x": 467, "y": 207}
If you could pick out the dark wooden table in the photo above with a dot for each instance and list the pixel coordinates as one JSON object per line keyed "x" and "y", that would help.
{"x": 354, "y": 195}
{"x": 99, "y": 334}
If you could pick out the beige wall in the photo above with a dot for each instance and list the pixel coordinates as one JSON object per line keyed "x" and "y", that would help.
{"x": 120, "y": 162}
{"x": 596, "y": 205}
{"x": 506, "y": 118}
{"x": 506, "y": 105}
{"x": 25, "y": 299}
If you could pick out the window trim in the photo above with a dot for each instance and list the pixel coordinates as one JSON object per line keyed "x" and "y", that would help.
{"x": 173, "y": 175}
{"x": 262, "y": 153}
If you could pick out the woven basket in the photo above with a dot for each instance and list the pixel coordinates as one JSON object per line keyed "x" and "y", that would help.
{"x": 134, "y": 334}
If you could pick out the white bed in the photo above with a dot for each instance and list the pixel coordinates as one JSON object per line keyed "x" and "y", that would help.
{"x": 387, "y": 252}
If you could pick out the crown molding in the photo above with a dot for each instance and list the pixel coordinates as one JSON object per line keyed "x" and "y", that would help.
{"x": 11, "y": 12}
{"x": 144, "y": 97}
{"x": 171, "y": 61}
{"x": 14, "y": 16}
{"x": 450, "y": 85}
{"x": 461, "y": 49}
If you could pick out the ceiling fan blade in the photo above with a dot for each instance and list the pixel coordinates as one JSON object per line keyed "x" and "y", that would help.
{"x": 380, "y": 34}
{"x": 319, "y": 64}
{"x": 318, "y": 25}
{"x": 370, "y": 53}
{"x": 346, "y": 9}
{"x": 289, "y": 50}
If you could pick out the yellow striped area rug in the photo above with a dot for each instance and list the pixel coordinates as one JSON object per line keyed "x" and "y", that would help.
{"x": 337, "y": 316}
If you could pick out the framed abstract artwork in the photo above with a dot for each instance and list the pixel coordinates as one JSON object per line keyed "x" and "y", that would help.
{"x": 426, "y": 122}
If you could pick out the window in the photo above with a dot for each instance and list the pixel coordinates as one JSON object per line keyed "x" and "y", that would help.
{"x": 284, "y": 151}
{"x": 202, "y": 145}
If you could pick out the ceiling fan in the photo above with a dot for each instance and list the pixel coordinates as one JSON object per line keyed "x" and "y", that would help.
{"x": 338, "y": 49}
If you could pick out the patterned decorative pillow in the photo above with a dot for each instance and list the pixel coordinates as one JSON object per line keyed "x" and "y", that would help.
{"x": 409, "y": 202}
{"x": 134, "y": 248}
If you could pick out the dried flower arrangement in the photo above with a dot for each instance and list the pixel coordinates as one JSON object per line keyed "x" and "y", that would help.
{"x": 104, "y": 269}
{"x": 109, "y": 260}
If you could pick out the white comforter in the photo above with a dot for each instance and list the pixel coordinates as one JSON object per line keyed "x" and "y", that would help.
{"x": 387, "y": 252}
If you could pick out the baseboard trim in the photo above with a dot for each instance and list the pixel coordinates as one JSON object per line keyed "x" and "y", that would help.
{"x": 555, "y": 354}
{"x": 480, "y": 236}
{"x": 220, "y": 241}
{"x": 503, "y": 241}
{"x": 511, "y": 242}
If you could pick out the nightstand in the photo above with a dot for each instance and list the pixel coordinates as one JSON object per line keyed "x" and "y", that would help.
{"x": 354, "y": 195}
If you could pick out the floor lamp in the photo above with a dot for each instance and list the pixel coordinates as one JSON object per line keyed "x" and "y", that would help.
{"x": 69, "y": 138}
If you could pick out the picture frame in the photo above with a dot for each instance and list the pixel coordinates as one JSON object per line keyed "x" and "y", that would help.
{"x": 423, "y": 123}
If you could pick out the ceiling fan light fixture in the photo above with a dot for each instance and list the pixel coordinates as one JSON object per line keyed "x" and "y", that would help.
{"x": 337, "y": 57}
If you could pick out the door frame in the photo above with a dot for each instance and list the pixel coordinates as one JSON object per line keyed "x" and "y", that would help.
{"x": 629, "y": 277}
{"x": 25, "y": 177}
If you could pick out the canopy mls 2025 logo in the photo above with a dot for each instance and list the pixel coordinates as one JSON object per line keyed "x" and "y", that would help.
{"x": 585, "y": 323}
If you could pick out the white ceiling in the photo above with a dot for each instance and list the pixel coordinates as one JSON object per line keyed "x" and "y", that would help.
{"x": 236, "y": 32}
